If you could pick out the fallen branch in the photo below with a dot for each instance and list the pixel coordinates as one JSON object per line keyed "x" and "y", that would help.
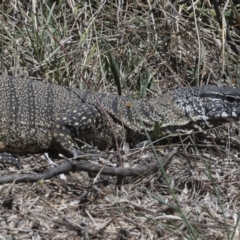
{"x": 88, "y": 167}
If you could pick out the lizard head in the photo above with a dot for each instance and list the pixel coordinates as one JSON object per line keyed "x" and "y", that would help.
{"x": 209, "y": 104}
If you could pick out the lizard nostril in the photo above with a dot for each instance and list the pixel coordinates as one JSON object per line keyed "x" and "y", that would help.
{"x": 230, "y": 99}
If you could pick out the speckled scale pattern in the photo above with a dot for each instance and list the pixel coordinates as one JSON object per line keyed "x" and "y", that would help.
{"x": 29, "y": 110}
{"x": 36, "y": 116}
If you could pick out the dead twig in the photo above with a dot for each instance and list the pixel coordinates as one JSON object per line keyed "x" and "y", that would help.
{"x": 88, "y": 167}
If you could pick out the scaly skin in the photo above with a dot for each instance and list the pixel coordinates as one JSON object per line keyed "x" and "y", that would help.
{"x": 37, "y": 116}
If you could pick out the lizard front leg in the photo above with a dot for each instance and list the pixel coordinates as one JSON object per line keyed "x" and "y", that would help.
{"x": 73, "y": 124}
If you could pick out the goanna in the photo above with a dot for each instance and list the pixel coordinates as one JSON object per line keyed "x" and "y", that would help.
{"x": 37, "y": 116}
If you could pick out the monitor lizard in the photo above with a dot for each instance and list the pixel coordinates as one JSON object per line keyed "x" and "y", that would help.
{"x": 37, "y": 116}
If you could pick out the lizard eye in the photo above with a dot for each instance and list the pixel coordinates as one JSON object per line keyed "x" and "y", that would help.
{"x": 230, "y": 99}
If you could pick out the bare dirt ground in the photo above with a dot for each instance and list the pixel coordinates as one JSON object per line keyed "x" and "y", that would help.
{"x": 144, "y": 48}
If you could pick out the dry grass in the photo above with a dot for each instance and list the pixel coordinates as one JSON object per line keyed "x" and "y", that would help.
{"x": 140, "y": 48}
